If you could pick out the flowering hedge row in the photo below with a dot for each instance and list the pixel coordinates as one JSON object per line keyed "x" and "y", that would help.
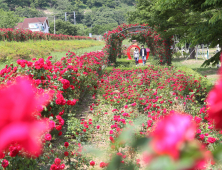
{"x": 159, "y": 46}
{"x": 26, "y": 90}
{"x": 9, "y": 34}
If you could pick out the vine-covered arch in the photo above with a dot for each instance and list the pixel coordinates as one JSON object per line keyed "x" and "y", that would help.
{"x": 142, "y": 33}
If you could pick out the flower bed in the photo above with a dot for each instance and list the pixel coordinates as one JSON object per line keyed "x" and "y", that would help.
{"x": 154, "y": 118}
{"x": 61, "y": 84}
{"x": 146, "y": 108}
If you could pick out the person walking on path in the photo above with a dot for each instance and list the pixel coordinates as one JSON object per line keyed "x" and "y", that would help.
{"x": 143, "y": 54}
{"x": 136, "y": 56}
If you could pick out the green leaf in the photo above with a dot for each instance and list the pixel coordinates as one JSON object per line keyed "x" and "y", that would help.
{"x": 217, "y": 153}
{"x": 140, "y": 142}
{"x": 115, "y": 163}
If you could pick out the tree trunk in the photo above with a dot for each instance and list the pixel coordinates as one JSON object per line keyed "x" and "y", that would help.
{"x": 192, "y": 53}
{"x": 168, "y": 52}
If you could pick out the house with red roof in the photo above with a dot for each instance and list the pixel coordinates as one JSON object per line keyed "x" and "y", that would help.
{"x": 34, "y": 24}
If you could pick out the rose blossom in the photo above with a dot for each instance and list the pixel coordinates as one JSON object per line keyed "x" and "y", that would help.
{"x": 66, "y": 144}
{"x": 92, "y": 163}
{"x": 17, "y": 122}
{"x": 170, "y": 133}
{"x": 214, "y": 100}
{"x": 5, "y": 163}
{"x": 48, "y": 137}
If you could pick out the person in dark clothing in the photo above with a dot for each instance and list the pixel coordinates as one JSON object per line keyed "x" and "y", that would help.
{"x": 143, "y": 54}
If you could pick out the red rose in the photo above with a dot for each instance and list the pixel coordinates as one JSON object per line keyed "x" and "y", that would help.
{"x": 57, "y": 161}
{"x": 66, "y": 144}
{"x": 92, "y": 163}
{"x": 66, "y": 153}
{"x": 60, "y": 133}
{"x": 5, "y": 163}
{"x": 171, "y": 132}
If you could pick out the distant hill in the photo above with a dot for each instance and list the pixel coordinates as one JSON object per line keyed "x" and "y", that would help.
{"x": 96, "y": 15}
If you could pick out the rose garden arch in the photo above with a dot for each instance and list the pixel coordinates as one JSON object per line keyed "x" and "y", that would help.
{"x": 142, "y": 33}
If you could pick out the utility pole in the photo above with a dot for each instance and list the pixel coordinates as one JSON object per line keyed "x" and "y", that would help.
{"x": 65, "y": 16}
{"x": 54, "y": 24}
{"x": 74, "y": 17}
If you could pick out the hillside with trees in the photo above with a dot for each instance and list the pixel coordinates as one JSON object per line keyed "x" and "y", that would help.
{"x": 95, "y": 16}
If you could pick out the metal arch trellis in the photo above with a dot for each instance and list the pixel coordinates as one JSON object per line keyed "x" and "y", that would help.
{"x": 134, "y": 29}
{"x": 160, "y": 47}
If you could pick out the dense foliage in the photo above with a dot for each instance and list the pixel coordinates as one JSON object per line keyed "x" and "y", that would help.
{"x": 194, "y": 22}
{"x": 63, "y": 27}
{"x": 8, "y": 19}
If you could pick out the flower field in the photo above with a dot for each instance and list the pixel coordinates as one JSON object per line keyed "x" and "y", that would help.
{"x": 154, "y": 118}
{"x": 20, "y": 35}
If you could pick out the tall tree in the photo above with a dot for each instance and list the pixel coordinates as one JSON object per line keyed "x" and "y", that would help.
{"x": 28, "y": 12}
{"x": 8, "y": 19}
{"x": 3, "y": 5}
{"x": 63, "y": 27}
{"x": 194, "y": 21}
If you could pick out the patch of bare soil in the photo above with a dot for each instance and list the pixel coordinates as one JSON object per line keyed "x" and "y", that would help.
{"x": 192, "y": 61}
{"x": 210, "y": 72}
{"x": 47, "y": 12}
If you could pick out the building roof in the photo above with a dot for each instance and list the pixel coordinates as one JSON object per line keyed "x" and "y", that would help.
{"x": 26, "y": 22}
{"x": 19, "y": 25}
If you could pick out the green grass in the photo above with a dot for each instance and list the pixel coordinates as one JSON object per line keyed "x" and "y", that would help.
{"x": 210, "y": 72}
{"x": 78, "y": 52}
{"x": 58, "y": 50}
{"x": 127, "y": 42}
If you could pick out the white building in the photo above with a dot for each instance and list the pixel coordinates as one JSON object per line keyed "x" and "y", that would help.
{"x": 35, "y": 24}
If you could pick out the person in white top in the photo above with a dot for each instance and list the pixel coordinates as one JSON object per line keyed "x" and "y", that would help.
{"x": 143, "y": 54}
{"x": 136, "y": 56}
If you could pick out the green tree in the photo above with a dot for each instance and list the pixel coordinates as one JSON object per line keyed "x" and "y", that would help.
{"x": 129, "y": 2}
{"x": 173, "y": 17}
{"x": 8, "y": 19}
{"x": 103, "y": 16}
{"x": 208, "y": 21}
{"x": 3, "y": 5}
{"x": 63, "y": 27}
{"x": 62, "y": 5}
{"x": 101, "y": 29}
{"x": 88, "y": 19}
{"x": 28, "y": 12}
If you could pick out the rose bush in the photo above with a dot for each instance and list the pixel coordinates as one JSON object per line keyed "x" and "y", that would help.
{"x": 67, "y": 81}
{"x": 20, "y": 35}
